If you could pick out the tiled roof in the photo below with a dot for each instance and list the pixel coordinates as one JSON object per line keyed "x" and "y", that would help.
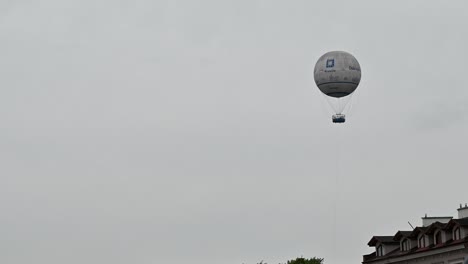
{"x": 417, "y": 230}
{"x": 381, "y": 239}
{"x": 462, "y": 222}
{"x": 433, "y": 227}
{"x": 414, "y": 234}
{"x": 370, "y": 256}
{"x": 397, "y": 253}
{"x": 401, "y": 234}
{"x": 453, "y": 222}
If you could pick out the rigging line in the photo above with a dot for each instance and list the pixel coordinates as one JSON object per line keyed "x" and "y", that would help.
{"x": 353, "y": 101}
{"x": 337, "y": 186}
{"x": 334, "y": 197}
{"x": 325, "y": 105}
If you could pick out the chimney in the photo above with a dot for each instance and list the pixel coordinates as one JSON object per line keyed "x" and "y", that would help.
{"x": 463, "y": 211}
{"x": 428, "y": 220}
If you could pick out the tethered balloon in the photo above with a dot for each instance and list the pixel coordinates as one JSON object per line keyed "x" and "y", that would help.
{"x": 337, "y": 75}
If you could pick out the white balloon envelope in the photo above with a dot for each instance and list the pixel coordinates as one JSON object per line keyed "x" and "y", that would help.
{"x": 337, "y": 75}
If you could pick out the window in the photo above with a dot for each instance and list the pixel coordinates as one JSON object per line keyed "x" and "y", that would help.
{"x": 438, "y": 237}
{"x": 457, "y": 233}
{"x": 380, "y": 251}
{"x": 422, "y": 242}
{"x": 405, "y": 245}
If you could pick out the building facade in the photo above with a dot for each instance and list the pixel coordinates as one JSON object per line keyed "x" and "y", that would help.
{"x": 440, "y": 240}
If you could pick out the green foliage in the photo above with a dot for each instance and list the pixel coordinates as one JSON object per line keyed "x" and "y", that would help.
{"x": 302, "y": 260}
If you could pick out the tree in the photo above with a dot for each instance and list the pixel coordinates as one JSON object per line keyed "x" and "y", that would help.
{"x": 302, "y": 260}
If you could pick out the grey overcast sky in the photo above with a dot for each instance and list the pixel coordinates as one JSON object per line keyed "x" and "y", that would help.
{"x": 192, "y": 131}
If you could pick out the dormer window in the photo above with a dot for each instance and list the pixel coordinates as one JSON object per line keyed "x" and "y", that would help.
{"x": 379, "y": 250}
{"x": 405, "y": 245}
{"x": 438, "y": 237}
{"x": 457, "y": 233}
{"x": 422, "y": 242}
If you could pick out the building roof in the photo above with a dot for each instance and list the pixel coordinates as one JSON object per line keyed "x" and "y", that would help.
{"x": 382, "y": 239}
{"x": 370, "y": 256}
{"x": 429, "y": 230}
{"x": 462, "y": 221}
{"x": 397, "y": 253}
{"x": 401, "y": 234}
{"x": 437, "y": 217}
{"x": 453, "y": 222}
{"x": 417, "y": 231}
{"x": 434, "y": 226}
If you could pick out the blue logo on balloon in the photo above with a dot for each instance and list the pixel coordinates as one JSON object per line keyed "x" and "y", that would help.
{"x": 330, "y": 63}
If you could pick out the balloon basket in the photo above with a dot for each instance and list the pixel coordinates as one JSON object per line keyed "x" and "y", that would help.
{"x": 338, "y": 118}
